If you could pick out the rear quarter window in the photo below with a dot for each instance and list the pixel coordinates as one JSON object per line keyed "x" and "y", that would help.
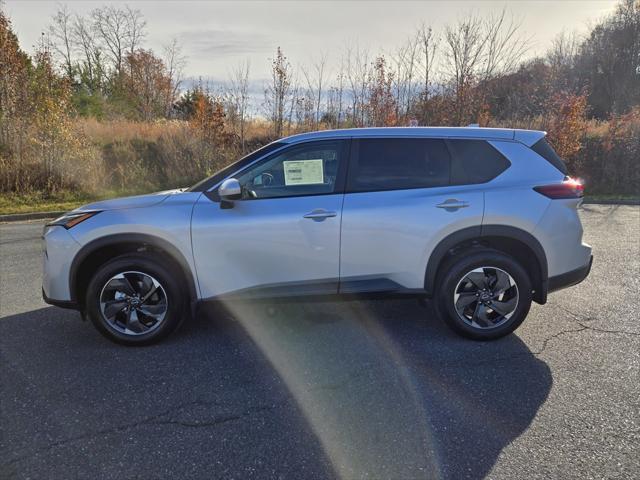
{"x": 475, "y": 161}
{"x": 546, "y": 151}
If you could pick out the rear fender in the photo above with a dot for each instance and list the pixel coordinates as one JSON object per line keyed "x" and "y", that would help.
{"x": 478, "y": 235}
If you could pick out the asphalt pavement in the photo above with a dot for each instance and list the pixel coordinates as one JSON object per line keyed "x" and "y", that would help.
{"x": 377, "y": 389}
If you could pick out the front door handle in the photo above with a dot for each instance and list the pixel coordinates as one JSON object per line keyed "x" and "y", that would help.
{"x": 319, "y": 215}
{"x": 453, "y": 204}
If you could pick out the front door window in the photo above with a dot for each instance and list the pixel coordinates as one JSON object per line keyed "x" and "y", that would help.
{"x": 308, "y": 169}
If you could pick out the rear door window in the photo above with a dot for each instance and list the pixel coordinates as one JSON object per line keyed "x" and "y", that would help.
{"x": 398, "y": 163}
{"x": 475, "y": 161}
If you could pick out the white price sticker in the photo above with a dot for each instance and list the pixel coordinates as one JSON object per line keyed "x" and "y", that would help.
{"x": 303, "y": 172}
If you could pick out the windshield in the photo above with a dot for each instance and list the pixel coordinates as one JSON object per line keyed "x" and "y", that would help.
{"x": 208, "y": 182}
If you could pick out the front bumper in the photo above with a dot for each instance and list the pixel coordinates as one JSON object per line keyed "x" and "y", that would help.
{"x": 59, "y": 249}
{"x": 570, "y": 278}
{"x": 60, "y": 303}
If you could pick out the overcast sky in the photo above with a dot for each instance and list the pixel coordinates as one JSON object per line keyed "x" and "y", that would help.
{"x": 216, "y": 36}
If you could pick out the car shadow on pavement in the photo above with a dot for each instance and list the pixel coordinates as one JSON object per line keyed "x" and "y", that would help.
{"x": 301, "y": 390}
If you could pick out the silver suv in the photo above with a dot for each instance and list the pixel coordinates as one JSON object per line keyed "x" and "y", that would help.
{"x": 482, "y": 221}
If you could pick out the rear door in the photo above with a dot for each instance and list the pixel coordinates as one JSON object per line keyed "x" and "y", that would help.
{"x": 400, "y": 202}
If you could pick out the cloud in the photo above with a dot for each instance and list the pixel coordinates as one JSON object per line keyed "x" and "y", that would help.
{"x": 224, "y": 42}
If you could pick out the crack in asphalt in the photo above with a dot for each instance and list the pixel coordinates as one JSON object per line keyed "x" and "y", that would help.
{"x": 545, "y": 342}
{"x": 582, "y": 327}
{"x": 220, "y": 419}
{"x": 582, "y": 319}
{"x": 154, "y": 420}
{"x": 158, "y": 419}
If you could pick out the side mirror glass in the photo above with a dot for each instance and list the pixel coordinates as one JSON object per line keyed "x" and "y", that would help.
{"x": 230, "y": 189}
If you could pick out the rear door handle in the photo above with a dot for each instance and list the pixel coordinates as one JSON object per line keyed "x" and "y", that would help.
{"x": 319, "y": 215}
{"x": 453, "y": 204}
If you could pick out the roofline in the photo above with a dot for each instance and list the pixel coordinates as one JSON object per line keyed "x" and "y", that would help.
{"x": 527, "y": 137}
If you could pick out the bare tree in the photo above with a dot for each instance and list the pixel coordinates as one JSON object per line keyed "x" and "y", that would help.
{"x": 429, "y": 48}
{"x": 465, "y": 44}
{"x": 61, "y": 31}
{"x": 406, "y": 59}
{"x": 110, "y": 25}
{"x": 294, "y": 99}
{"x": 339, "y": 94}
{"x": 84, "y": 43}
{"x": 278, "y": 91}
{"x": 136, "y": 33}
{"x": 120, "y": 30}
{"x": 315, "y": 84}
{"x": 335, "y": 98}
{"x": 477, "y": 50}
{"x": 429, "y": 44}
{"x": 504, "y": 47}
{"x": 562, "y": 57}
{"x": 239, "y": 83}
{"x": 564, "y": 50}
{"x": 357, "y": 73}
{"x": 174, "y": 62}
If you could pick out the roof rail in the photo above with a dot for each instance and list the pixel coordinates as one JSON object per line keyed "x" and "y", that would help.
{"x": 473, "y": 125}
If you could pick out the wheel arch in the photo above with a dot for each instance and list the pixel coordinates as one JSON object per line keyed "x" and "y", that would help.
{"x": 513, "y": 241}
{"x": 100, "y": 250}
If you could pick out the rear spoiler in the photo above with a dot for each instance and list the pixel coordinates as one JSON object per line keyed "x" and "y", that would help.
{"x": 528, "y": 137}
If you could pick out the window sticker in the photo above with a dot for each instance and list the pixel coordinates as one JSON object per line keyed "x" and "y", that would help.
{"x": 303, "y": 172}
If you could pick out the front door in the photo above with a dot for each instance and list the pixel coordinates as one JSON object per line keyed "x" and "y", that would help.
{"x": 283, "y": 236}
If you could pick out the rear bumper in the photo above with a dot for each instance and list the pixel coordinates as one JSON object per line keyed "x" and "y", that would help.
{"x": 570, "y": 278}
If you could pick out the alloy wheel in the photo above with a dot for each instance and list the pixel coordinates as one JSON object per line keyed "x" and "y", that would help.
{"x": 486, "y": 297}
{"x": 133, "y": 303}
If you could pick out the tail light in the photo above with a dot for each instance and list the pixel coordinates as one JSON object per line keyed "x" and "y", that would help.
{"x": 569, "y": 188}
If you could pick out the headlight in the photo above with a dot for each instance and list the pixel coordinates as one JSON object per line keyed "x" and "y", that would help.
{"x": 71, "y": 219}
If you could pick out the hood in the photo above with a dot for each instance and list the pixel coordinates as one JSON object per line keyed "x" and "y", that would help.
{"x": 136, "y": 201}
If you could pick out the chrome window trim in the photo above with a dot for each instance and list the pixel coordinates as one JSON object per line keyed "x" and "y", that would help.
{"x": 321, "y": 138}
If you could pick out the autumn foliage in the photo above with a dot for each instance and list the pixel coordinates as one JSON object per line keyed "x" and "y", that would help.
{"x": 382, "y": 103}
{"x": 39, "y": 147}
{"x": 92, "y": 109}
{"x": 566, "y": 126}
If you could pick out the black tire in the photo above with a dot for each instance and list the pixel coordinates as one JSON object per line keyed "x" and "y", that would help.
{"x": 453, "y": 273}
{"x": 148, "y": 264}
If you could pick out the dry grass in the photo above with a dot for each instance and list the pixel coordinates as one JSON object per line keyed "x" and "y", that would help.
{"x": 61, "y": 201}
{"x": 104, "y": 132}
{"x": 258, "y": 129}
{"x": 119, "y": 157}
{"x": 596, "y": 128}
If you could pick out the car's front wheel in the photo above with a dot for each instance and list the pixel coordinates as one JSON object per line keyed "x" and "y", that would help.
{"x": 134, "y": 299}
{"x": 484, "y": 295}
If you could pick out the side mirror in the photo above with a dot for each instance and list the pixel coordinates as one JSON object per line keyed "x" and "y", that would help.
{"x": 228, "y": 191}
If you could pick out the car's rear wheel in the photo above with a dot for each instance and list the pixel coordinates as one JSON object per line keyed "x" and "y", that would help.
{"x": 484, "y": 295}
{"x": 134, "y": 299}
